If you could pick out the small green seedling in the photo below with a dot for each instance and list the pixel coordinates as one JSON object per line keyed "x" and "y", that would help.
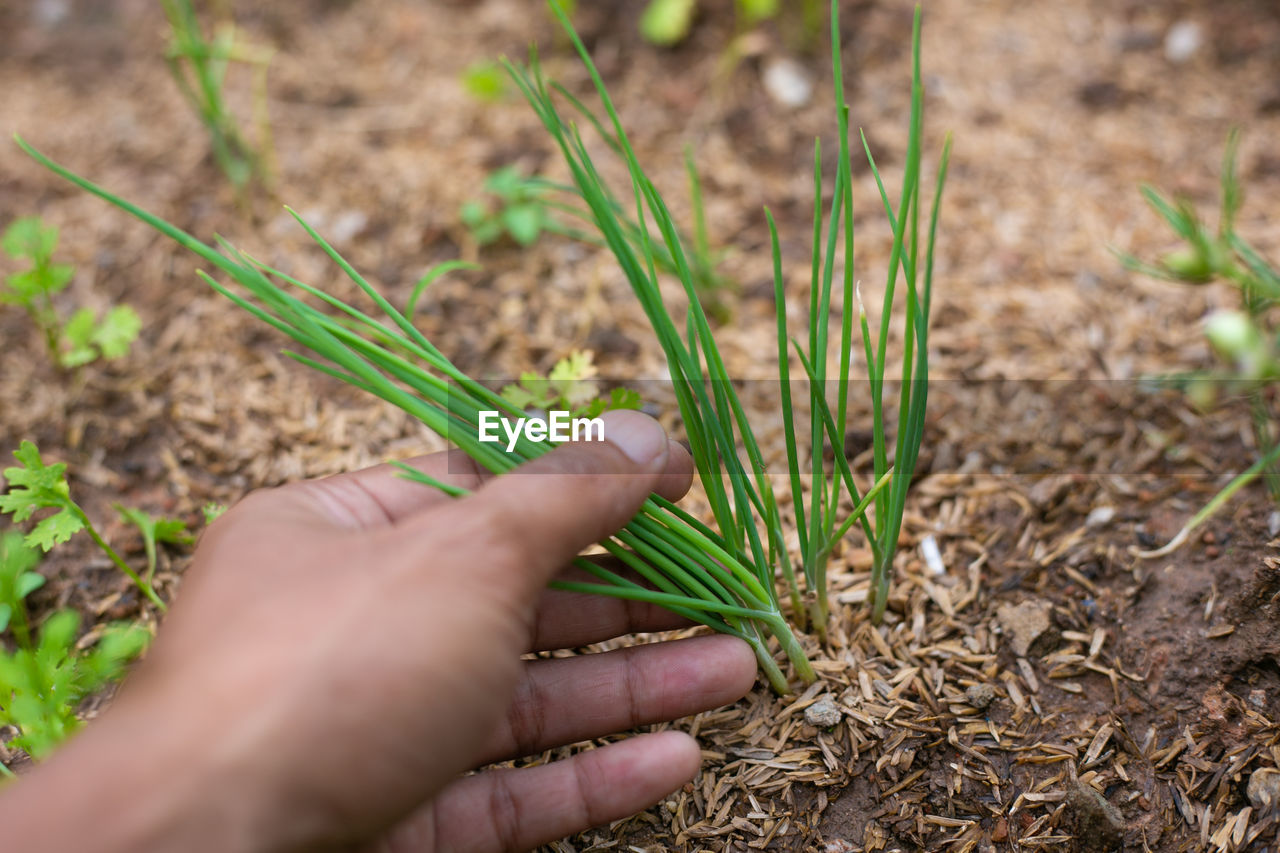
{"x": 569, "y": 387}
{"x": 486, "y": 81}
{"x": 34, "y": 486}
{"x": 1245, "y": 339}
{"x": 519, "y": 209}
{"x": 44, "y": 679}
{"x": 155, "y": 529}
{"x": 84, "y": 337}
{"x": 212, "y": 511}
{"x": 199, "y": 68}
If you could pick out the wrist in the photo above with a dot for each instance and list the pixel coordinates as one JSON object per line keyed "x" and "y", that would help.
{"x": 134, "y": 781}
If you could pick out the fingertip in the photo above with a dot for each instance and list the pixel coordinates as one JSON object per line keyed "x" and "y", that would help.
{"x": 737, "y": 664}
{"x": 670, "y": 754}
{"x": 677, "y": 476}
{"x": 640, "y": 438}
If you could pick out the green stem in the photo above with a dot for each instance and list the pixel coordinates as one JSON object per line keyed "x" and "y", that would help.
{"x": 881, "y": 574}
{"x": 1248, "y": 476}
{"x": 792, "y": 649}
{"x": 818, "y": 604}
{"x": 1265, "y": 439}
{"x": 146, "y": 588}
{"x": 768, "y": 666}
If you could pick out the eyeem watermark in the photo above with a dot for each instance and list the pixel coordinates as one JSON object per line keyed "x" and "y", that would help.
{"x": 558, "y": 427}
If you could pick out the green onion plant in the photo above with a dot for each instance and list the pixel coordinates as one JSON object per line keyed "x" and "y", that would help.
{"x": 199, "y": 68}
{"x": 723, "y": 575}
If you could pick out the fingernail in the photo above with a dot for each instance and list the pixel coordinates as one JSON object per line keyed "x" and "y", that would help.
{"x": 637, "y": 435}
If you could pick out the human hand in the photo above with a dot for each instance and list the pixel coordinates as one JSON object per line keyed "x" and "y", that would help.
{"x": 343, "y": 649}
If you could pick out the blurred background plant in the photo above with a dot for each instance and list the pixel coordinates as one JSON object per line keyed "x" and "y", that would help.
{"x": 571, "y": 386}
{"x": 668, "y": 22}
{"x": 523, "y": 208}
{"x": 516, "y": 206}
{"x": 1244, "y": 338}
{"x": 199, "y": 67}
{"x": 49, "y": 670}
{"x": 486, "y": 81}
{"x": 81, "y": 338}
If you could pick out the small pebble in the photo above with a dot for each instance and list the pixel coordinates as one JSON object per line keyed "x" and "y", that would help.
{"x": 1182, "y": 41}
{"x": 1096, "y": 818}
{"x": 1024, "y": 623}
{"x": 824, "y": 713}
{"x": 980, "y": 695}
{"x": 1212, "y": 551}
{"x": 1273, "y": 523}
{"x": 1264, "y": 788}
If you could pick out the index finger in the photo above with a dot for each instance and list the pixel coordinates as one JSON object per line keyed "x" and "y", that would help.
{"x": 382, "y": 495}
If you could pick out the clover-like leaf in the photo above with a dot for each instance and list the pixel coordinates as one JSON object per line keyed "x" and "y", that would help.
{"x": 34, "y": 485}
{"x": 55, "y": 529}
{"x": 30, "y": 238}
{"x": 173, "y": 531}
{"x": 523, "y": 222}
{"x": 117, "y": 332}
{"x": 77, "y": 339}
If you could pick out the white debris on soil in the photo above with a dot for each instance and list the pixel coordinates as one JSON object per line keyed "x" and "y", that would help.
{"x": 1182, "y": 41}
{"x": 931, "y": 555}
{"x": 50, "y": 13}
{"x": 1100, "y": 516}
{"x": 347, "y": 225}
{"x": 787, "y": 82}
{"x": 1273, "y": 523}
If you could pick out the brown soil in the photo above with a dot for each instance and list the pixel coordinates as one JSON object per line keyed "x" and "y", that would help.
{"x": 1156, "y": 689}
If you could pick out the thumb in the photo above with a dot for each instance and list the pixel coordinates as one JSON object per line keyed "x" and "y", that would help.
{"x": 547, "y": 510}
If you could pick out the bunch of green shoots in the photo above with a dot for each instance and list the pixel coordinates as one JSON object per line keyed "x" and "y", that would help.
{"x": 44, "y": 678}
{"x": 81, "y": 338}
{"x": 741, "y": 494}
{"x": 1248, "y": 339}
{"x": 199, "y": 67}
{"x": 722, "y": 576}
